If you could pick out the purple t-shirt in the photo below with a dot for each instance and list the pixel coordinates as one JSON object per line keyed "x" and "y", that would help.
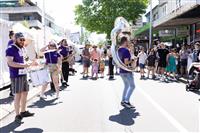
{"x": 64, "y": 51}
{"x": 52, "y": 57}
{"x": 10, "y": 42}
{"x": 123, "y": 54}
{"x": 17, "y": 54}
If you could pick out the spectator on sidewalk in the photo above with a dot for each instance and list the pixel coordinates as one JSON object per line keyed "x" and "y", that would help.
{"x": 86, "y": 60}
{"x": 18, "y": 75}
{"x": 151, "y": 60}
{"x": 162, "y": 53}
{"x": 95, "y": 68}
{"x": 196, "y": 52}
{"x": 11, "y": 42}
{"x": 126, "y": 76}
{"x": 110, "y": 65}
{"x": 183, "y": 60}
{"x": 142, "y": 56}
{"x": 171, "y": 63}
{"x": 53, "y": 62}
{"x": 95, "y": 54}
{"x": 102, "y": 67}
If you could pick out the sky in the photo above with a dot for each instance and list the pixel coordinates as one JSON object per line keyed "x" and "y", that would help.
{"x": 63, "y": 13}
{"x": 61, "y": 10}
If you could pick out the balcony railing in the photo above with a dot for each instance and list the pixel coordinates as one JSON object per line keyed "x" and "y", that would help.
{"x": 33, "y": 23}
{"x": 29, "y": 9}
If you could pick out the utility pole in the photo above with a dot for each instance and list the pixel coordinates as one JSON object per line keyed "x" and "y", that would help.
{"x": 43, "y": 22}
{"x": 150, "y": 28}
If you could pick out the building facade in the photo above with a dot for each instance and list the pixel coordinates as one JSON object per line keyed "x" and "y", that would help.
{"x": 12, "y": 10}
{"x": 182, "y": 16}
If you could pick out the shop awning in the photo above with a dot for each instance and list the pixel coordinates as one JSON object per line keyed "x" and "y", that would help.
{"x": 142, "y": 29}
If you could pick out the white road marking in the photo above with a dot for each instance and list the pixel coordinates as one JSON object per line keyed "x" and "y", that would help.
{"x": 171, "y": 119}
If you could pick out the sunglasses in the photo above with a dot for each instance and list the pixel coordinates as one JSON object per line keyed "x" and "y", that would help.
{"x": 22, "y": 40}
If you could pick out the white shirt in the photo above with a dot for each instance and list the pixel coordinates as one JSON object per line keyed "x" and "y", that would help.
{"x": 142, "y": 58}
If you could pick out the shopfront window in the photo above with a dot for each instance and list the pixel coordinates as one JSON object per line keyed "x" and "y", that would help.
{"x": 198, "y": 32}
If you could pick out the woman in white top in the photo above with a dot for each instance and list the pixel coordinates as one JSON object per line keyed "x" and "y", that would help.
{"x": 142, "y": 59}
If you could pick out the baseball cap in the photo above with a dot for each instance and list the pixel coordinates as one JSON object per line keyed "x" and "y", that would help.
{"x": 19, "y": 35}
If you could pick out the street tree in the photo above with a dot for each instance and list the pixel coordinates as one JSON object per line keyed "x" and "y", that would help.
{"x": 99, "y": 15}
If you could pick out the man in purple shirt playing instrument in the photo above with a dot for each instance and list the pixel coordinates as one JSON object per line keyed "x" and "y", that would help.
{"x": 126, "y": 76}
{"x": 19, "y": 84}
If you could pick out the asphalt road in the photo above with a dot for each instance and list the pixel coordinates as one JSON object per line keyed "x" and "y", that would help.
{"x": 94, "y": 106}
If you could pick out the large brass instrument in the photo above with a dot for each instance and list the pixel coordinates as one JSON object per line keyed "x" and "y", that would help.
{"x": 121, "y": 28}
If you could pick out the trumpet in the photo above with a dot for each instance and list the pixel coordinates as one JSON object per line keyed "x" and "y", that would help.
{"x": 121, "y": 28}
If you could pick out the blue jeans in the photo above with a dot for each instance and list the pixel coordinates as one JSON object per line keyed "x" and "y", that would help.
{"x": 129, "y": 86}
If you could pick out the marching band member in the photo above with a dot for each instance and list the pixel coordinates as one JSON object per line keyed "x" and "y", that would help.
{"x": 18, "y": 75}
{"x": 53, "y": 62}
{"x": 64, "y": 51}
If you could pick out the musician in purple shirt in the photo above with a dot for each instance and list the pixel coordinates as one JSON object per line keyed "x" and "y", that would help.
{"x": 64, "y": 51}
{"x": 19, "y": 84}
{"x": 11, "y": 41}
{"x": 11, "y": 37}
{"x": 53, "y": 62}
{"x": 126, "y": 76}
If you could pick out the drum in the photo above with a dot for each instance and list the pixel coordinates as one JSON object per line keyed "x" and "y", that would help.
{"x": 40, "y": 77}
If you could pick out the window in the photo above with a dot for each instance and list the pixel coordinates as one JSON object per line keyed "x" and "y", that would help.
{"x": 178, "y": 3}
{"x": 164, "y": 10}
{"x": 8, "y": 3}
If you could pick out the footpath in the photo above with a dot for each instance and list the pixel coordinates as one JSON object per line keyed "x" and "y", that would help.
{"x": 7, "y": 104}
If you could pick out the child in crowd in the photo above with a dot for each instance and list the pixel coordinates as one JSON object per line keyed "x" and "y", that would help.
{"x": 95, "y": 67}
{"x": 102, "y": 67}
{"x": 142, "y": 59}
{"x": 151, "y": 60}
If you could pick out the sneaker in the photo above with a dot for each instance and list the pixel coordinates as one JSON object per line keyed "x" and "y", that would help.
{"x": 18, "y": 119}
{"x": 162, "y": 79}
{"x": 126, "y": 104}
{"x": 111, "y": 78}
{"x": 123, "y": 103}
{"x": 11, "y": 95}
{"x": 26, "y": 114}
{"x": 43, "y": 97}
{"x": 153, "y": 77}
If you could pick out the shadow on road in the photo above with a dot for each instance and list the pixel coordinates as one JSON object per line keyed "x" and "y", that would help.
{"x": 196, "y": 92}
{"x": 84, "y": 78}
{"x": 12, "y": 126}
{"x": 43, "y": 103}
{"x": 7, "y": 100}
{"x": 125, "y": 117}
{"x": 9, "y": 128}
{"x": 30, "y": 130}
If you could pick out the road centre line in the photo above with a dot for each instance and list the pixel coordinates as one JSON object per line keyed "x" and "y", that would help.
{"x": 171, "y": 119}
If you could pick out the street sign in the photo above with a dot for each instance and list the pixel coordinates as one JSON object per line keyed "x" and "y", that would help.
{"x": 167, "y": 32}
{"x": 182, "y": 31}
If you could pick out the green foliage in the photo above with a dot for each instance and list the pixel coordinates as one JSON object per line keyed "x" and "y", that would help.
{"x": 25, "y": 23}
{"x": 99, "y": 15}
